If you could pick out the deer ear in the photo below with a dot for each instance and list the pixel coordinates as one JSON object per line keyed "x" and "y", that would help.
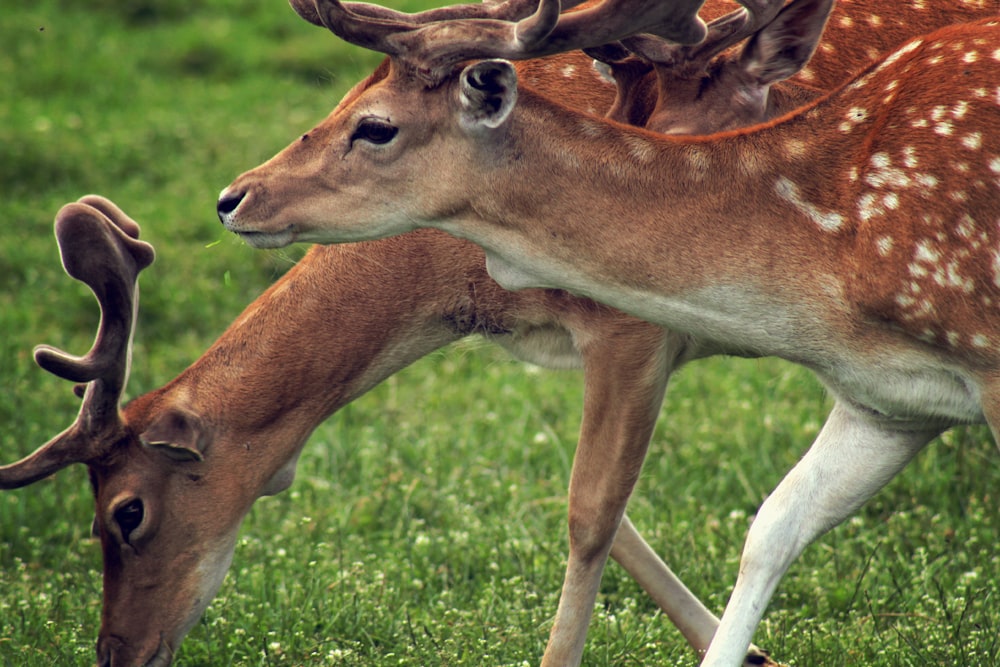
{"x": 488, "y": 91}
{"x": 780, "y": 49}
{"x": 176, "y": 434}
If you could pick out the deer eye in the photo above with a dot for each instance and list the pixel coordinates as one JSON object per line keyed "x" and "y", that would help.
{"x": 375, "y": 131}
{"x": 129, "y": 516}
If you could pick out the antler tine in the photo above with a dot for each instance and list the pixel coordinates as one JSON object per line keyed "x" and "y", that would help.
{"x": 723, "y": 32}
{"x": 103, "y": 255}
{"x": 433, "y": 47}
{"x": 99, "y": 246}
{"x": 433, "y": 43}
{"x": 510, "y": 10}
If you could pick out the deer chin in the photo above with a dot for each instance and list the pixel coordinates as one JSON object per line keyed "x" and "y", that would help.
{"x": 267, "y": 240}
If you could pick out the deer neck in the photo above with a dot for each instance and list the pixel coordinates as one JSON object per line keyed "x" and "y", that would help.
{"x": 684, "y": 232}
{"x": 338, "y": 323}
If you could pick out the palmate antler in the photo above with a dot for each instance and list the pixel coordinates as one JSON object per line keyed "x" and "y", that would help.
{"x": 691, "y": 59}
{"x": 99, "y": 246}
{"x": 434, "y": 41}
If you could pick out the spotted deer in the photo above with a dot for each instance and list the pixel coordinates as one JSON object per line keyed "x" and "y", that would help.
{"x": 855, "y": 236}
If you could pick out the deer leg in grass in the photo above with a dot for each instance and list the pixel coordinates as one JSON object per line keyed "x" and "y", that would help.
{"x": 696, "y": 623}
{"x": 626, "y": 368}
{"x": 626, "y": 373}
{"x": 853, "y": 457}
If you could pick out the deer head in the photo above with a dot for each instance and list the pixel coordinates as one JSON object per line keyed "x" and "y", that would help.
{"x": 157, "y": 474}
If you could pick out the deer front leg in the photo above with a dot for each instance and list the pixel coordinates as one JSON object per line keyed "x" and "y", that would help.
{"x": 853, "y": 457}
{"x": 625, "y": 376}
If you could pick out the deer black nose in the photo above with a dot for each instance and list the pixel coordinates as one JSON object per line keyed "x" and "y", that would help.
{"x": 228, "y": 203}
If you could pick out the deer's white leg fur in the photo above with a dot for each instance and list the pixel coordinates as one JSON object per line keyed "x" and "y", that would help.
{"x": 853, "y": 457}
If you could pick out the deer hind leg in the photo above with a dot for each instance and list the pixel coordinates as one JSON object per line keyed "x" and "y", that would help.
{"x": 625, "y": 376}
{"x": 684, "y": 610}
{"x": 853, "y": 457}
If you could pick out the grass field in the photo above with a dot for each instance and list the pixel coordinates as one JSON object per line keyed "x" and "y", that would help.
{"x": 427, "y": 523}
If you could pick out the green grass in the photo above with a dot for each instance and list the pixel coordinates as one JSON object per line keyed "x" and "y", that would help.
{"x": 427, "y": 523}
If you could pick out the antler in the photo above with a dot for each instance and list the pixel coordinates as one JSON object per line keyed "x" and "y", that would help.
{"x": 99, "y": 246}
{"x": 432, "y": 42}
{"x": 723, "y": 32}
{"x": 511, "y": 10}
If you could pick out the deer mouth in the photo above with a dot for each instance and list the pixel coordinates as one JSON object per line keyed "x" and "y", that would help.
{"x": 162, "y": 658}
{"x": 109, "y": 655}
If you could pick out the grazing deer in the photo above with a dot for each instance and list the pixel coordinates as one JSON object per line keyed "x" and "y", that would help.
{"x": 856, "y": 237}
{"x": 229, "y": 429}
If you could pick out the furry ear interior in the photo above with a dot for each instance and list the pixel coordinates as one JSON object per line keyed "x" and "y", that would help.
{"x": 177, "y": 435}
{"x": 488, "y": 92}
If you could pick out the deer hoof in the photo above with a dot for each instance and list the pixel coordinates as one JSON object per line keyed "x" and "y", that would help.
{"x": 757, "y": 657}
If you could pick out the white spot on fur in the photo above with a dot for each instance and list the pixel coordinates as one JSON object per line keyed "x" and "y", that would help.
{"x": 867, "y": 208}
{"x": 884, "y": 245}
{"x": 925, "y": 253}
{"x": 927, "y": 180}
{"x": 796, "y": 148}
{"x": 854, "y": 116}
{"x": 945, "y": 129}
{"x": 699, "y": 161}
{"x": 829, "y": 221}
{"x": 966, "y": 226}
{"x": 973, "y": 140}
{"x": 639, "y": 148}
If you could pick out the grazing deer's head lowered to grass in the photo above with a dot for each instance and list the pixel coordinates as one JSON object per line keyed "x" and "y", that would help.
{"x": 855, "y": 236}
